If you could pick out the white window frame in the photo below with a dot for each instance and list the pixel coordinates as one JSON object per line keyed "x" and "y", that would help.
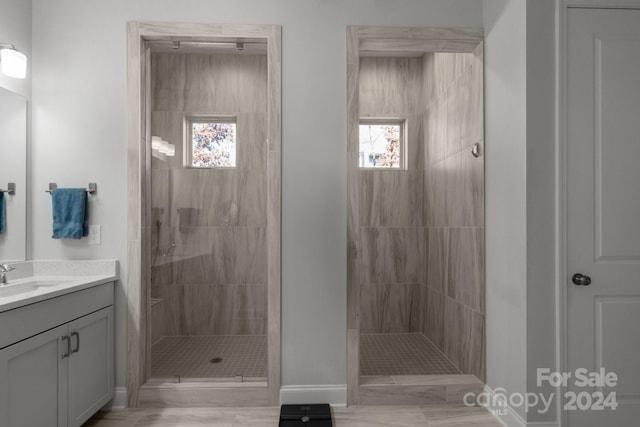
{"x": 390, "y": 121}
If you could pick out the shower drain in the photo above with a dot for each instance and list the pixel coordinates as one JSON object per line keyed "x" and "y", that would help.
{"x": 216, "y": 360}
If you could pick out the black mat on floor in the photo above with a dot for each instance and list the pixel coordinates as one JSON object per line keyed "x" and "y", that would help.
{"x": 305, "y": 415}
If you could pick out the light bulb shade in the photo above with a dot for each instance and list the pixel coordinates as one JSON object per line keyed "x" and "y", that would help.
{"x": 13, "y": 63}
{"x": 171, "y": 150}
{"x": 156, "y": 142}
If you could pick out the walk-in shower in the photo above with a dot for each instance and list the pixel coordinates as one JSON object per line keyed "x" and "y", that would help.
{"x": 416, "y": 213}
{"x": 208, "y": 213}
{"x": 209, "y": 272}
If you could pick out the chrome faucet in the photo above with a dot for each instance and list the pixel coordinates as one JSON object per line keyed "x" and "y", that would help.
{"x": 4, "y": 269}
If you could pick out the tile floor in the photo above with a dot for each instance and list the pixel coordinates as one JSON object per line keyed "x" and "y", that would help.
{"x": 353, "y": 416}
{"x": 402, "y": 354}
{"x": 190, "y": 357}
{"x": 381, "y": 354}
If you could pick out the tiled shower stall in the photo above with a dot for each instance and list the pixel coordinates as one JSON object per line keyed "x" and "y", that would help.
{"x": 208, "y": 248}
{"x": 421, "y": 286}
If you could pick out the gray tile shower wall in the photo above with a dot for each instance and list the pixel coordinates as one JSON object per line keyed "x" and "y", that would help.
{"x": 421, "y": 264}
{"x": 393, "y": 255}
{"x": 391, "y": 198}
{"x": 391, "y": 220}
{"x": 390, "y": 308}
{"x": 453, "y": 206}
{"x": 208, "y": 235}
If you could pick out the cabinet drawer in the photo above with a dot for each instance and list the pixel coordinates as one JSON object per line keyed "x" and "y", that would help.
{"x": 27, "y": 321}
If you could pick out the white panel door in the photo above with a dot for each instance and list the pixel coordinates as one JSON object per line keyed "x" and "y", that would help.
{"x": 603, "y": 211}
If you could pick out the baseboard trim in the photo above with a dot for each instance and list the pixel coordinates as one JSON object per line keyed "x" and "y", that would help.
{"x": 119, "y": 400}
{"x": 334, "y": 394}
{"x": 507, "y": 416}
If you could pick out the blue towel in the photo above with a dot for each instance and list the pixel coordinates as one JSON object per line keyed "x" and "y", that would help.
{"x": 70, "y": 219}
{"x": 2, "y": 214}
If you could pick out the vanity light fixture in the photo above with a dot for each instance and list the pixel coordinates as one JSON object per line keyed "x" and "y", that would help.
{"x": 12, "y": 61}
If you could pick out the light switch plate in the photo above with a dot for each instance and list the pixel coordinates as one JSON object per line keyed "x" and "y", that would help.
{"x": 94, "y": 234}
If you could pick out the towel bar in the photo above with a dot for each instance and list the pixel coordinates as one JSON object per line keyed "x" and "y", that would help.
{"x": 91, "y": 189}
{"x": 11, "y": 189}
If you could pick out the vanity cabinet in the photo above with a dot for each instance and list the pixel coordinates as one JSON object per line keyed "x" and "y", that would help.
{"x": 63, "y": 374}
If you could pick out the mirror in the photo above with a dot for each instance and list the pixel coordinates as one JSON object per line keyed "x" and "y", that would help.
{"x": 13, "y": 169}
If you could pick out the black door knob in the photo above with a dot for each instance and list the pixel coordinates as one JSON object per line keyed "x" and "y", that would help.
{"x": 581, "y": 280}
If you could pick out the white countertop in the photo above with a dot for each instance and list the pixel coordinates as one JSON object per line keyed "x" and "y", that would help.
{"x": 73, "y": 276}
{"x": 68, "y": 284}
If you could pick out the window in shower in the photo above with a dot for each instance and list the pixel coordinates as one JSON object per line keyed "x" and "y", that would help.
{"x": 210, "y": 142}
{"x": 382, "y": 144}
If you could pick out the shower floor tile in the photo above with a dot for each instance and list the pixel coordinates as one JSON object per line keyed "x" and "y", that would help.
{"x": 201, "y": 357}
{"x": 402, "y": 354}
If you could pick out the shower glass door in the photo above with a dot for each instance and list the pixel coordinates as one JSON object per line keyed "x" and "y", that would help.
{"x": 208, "y": 261}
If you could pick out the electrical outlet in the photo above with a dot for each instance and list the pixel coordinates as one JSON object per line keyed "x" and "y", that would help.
{"x": 94, "y": 234}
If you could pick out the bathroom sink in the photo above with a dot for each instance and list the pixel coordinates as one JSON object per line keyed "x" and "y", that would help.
{"x": 10, "y": 290}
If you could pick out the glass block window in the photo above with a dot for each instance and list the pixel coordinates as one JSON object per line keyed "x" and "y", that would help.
{"x": 211, "y": 142}
{"x": 382, "y": 144}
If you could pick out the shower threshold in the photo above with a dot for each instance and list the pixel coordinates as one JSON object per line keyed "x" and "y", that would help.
{"x": 428, "y": 380}
{"x": 417, "y": 389}
{"x": 170, "y": 383}
{"x": 216, "y": 380}
{"x": 197, "y": 394}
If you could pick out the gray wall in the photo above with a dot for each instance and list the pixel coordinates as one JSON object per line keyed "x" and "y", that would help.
{"x": 454, "y": 292}
{"x": 79, "y": 86}
{"x": 506, "y": 194}
{"x": 541, "y": 197}
{"x": 213, "y": 281}
{"x": 521, "y": 38}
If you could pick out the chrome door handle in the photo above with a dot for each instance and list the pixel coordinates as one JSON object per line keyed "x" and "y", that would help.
{"x": 581, "y": 280}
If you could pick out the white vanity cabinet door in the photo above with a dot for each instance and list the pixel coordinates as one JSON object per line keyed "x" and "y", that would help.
{"x": 33, "y": 381}
{"x": 91, "y": 375}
